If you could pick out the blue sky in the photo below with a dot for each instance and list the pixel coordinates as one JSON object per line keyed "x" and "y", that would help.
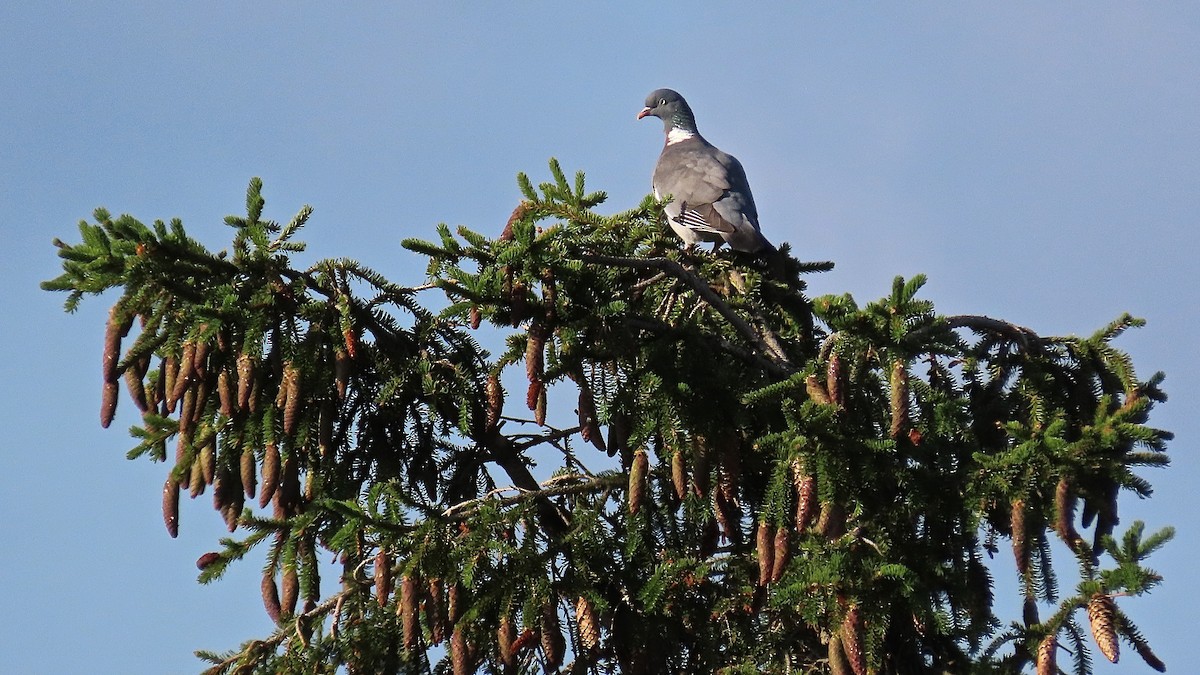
{"x": 1039, "y": 161}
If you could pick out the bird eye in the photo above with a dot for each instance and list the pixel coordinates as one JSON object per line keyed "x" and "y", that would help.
{"x": 662, "y": 101}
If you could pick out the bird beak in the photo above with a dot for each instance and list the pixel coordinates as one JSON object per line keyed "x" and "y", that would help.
{"x": 645, "y": 111}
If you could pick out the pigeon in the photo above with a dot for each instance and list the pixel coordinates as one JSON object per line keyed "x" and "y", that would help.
{"x": 710, "y": 196}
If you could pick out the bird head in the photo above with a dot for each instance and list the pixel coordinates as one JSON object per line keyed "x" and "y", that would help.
{"x": 669, "y": 106}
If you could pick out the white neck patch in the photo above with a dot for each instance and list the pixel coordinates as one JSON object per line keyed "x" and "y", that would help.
{"x": 676, "y": 135}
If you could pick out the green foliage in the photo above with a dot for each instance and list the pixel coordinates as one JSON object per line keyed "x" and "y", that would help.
{"x": 821, "y": 472}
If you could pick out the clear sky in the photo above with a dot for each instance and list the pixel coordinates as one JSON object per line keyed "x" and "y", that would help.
{"x": 1039, "y": 161}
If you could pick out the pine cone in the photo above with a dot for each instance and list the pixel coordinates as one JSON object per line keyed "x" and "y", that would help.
{"x": 727, "y": 515}
{"x": 270, "y": 596}
{"x": 589, "y": 627}
{"x": 435, "y": 613}
{"x": 246, "y": 470}
{"x": 678, "y": 474}
{"x": 200, "y": 360}
{"x": 196, "y": 483}
{"x": 899, "y": 402}
{"x": 765, "y": 546}
{"x": 1047, "y": 656}
{"x": 208, "y": 459}
{"x": 407, "y": 609}
{"x": 245, "y": 380}
{"x": 835, "y": 381}
{"x": 168, "y": 374}
{"x": 832, "y": 523}
{"x": 170, "y": 506}
{"x": 108, "y": 403}
{"x": 289, "y": 590}
{"x": 837, "y": 656}
{"x": 270, "y": 474}
{"x": 1064, "y": 509}
{"x": 495, "y": 402}
{"x": 539, "y": 411}
{"x": 816, "y": 390}
{"x": 589, "y": 425}
{"x": 476, "y": 317}
{"x": 460, "y": 653}
{"x": 1020, "y": 539}
{"x": 806, "y": 495}
{"x": 554, "y": 645}
{"x": 114, "y": 330}
{"x": 383, "y": 577}
{"x": 535, "y": 364}
{"x": 782, "y": 553}
{"x": 534, "y": 394}
{"x": 506, "y": 635}
{"x": 134, "y": 376}
{"x": 454, "y": 603}
{"x": 1102, "y": 614}
{"x": 637, "y": 481}
{"x": 293, "y": 400}
{"x": 225, "y": 393}
{"x": 187, "y": 367}
{"x": 852, "y": 640}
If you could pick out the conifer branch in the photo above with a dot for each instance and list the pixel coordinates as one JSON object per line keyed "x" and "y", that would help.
{"x": 775, "y": 353}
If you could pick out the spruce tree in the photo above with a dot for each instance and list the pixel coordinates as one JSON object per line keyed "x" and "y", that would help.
{"x": 580, "y": 447}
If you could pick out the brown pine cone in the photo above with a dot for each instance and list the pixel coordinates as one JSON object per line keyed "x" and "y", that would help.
{"x": 248, "y": 464}
{"x": 435, "y": 611}
{"x": 108, "y": 403}
{"x": 245, "y": 380}
{"x": 116, "y": 328}
{"x": 170, "y": 506}
{"x": 1020, "y": 536}
{"x": 407, "y": 610}
{"x": 554, "y": 645}
{"x": 589, "y": 424}
{"x": 637, "y": 481}
{"x": 782, "y": 553}
{"x": 293, "y": 400}
{"x": 534, "y": 394}
{"x": 1102, "y": 615}
{"x": 270, "y": 596}
{"x": 816, "y": 390}
{"x": 679, "y": 474}
{"x": 835, "y": 381}
{"x": 852, "y": 640}
{"x": 535, "y": 346}
{"x": 225, "y": 393}
{"x": 270, "y": 474}
{"x": 187, "y": 366}
{"x": 539, "y": 411}
{"x": 1064, "y": 510}
{"x": 460, "y": 653}
{"x": 289, "y": 590}
{"x": 589, "y": 626}
{"x": 495, "y": 402}
{"x": 806, "y": 495}
{"x": 134, "y": 376}
{"x": 506, "y": 635}
{"x": 1047, "y": 656}
{"x": 765, "y": 546}
{"x": 168, "y": 374}
{"x": 383, "y": 577}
